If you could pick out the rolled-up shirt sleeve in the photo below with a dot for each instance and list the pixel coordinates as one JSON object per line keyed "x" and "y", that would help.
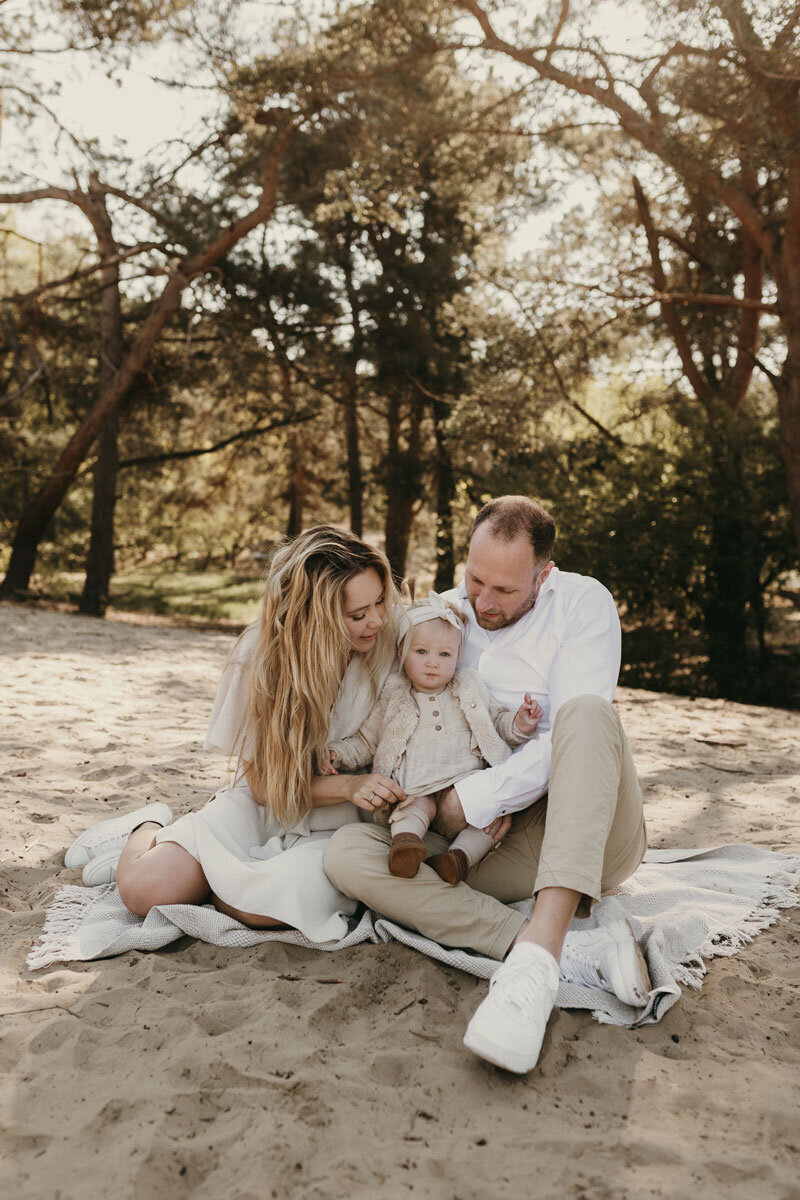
{"x": 587, "y": 663}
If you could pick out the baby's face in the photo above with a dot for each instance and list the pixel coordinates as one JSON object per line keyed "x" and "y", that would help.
{"x": 432, "y": 655}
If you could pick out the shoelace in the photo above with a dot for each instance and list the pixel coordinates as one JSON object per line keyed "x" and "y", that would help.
{"x": 519, "y": 987}
{"x": 577, "y": 967}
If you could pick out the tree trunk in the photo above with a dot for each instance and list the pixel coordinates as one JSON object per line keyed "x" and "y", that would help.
{"x": 399, "y": 519}
{"x": 296, "y": 491}
{"x": 402, "y": 485}
{"x": 100, "y": 559}
{"x": 355, "y": 478}
{"x": 729, "y": 568}
{"x": 36, "y": 517}
{"x": 788, "y": 388}
{"x": 787, "y": 281}
{"x": 787, "y": 385}
{"x": 445, "y": 492}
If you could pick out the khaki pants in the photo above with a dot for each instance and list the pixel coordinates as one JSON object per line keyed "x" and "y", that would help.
{"x": 587, "y": 834}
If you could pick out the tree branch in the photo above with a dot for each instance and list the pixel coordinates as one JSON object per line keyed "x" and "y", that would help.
{"x": 562, "y": 18}
{"x": 636, "y": 125}
{"x": 19, "y": 351}
{"x": 785, "y": 36}
{"x": 37, "y": 514}
{"x": 683, "y": 243}
{"x": 37, "y": 100}
{"x": 74, "y": 276}
{"x": 560, "y": 384}
{"x": 143, "y": 205}
{"x": 245, "y": 435}
{"x": 750, "y": 317}
{"x": 699, "y": 385}
{"x": 714, "y": 300}
{"x": 46, "y": 193}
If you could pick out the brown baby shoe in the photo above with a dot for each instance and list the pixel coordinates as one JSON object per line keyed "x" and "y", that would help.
{"x": 452, "y": 866}
{"x": 406, "y": 853}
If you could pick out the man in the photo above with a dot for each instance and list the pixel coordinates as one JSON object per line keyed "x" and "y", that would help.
{"x": 566, "y": 808}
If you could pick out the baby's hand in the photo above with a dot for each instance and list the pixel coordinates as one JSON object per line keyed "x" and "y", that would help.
{"x": 327, "y": 761}
{"x": 528, "y": 715}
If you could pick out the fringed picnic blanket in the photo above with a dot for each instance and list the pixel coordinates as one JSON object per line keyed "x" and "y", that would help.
{"x": 685, "y": 907}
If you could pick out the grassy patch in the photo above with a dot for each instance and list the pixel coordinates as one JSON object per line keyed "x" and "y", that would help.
{"x": 212, "y": 595}
{"x": 164, "y": 590}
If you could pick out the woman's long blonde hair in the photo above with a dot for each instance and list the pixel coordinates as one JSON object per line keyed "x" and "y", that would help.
{"x": 302, "y": 652}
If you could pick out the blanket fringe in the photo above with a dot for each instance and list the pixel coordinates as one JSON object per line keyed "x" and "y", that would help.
{"x": 691, "y": 971}
{"x": 62, "y": 924}
{"x": 779, "y": 892}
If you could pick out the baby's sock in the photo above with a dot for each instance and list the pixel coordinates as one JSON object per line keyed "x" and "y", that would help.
{"x": 474, "y": 842}
{"x": 414, "y": 819}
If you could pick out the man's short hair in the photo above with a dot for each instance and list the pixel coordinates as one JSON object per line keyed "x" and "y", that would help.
{"x": 511, "y": 517}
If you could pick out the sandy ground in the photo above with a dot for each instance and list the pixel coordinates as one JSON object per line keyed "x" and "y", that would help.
{"x": 280, "y": 1072}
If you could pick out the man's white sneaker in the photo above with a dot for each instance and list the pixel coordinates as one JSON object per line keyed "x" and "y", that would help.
{"x": 508, "y": 1027}
{"x": 112, "y": 834}
{"x": 607, "y": 958}
{"x": 102, "y": 869}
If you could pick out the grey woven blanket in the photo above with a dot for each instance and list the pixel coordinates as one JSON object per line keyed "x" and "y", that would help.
{"x": 685, "y": 906}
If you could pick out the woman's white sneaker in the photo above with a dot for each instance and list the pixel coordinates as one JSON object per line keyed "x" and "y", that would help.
{"x": 102, "y": 869}
{"x": 507, "y": 1028}
{"x": 608, "y": 958}
{"x": 112, "y": 834}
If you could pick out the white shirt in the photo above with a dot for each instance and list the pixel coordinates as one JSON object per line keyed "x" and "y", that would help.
{"x": 567, "y": 645}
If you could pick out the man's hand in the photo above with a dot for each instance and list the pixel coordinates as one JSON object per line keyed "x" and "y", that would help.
{"x": 450, "y": 818}
{"x": 498, "y": 828}
{"x": 528, "y": 716}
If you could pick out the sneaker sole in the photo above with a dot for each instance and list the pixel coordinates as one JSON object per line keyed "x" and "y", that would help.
{"x": 499, "y": 1056}
{"x": 633, "y": 983}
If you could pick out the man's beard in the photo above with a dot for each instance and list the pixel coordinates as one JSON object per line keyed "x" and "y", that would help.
{"x": 493, "y": 624}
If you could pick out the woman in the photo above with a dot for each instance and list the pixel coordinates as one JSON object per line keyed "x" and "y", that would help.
{"x": 307, "y": 672}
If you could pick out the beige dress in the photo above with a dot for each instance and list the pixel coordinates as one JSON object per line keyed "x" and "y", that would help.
{"x": 248, "y": 860}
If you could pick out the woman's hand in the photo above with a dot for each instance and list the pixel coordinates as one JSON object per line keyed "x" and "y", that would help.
{"x": 373, "y": 792}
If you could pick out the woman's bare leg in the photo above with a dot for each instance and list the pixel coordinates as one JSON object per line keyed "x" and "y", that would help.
{"x": 251, "y": 919}
{"x": 150, "y": 873}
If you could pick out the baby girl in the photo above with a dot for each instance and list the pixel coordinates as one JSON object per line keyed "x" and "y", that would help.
{"x": 433, "y": 725}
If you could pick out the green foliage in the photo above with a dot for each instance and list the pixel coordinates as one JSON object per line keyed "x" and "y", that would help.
{"x": 372, "y": 349}
{"x": 689, "y": 528}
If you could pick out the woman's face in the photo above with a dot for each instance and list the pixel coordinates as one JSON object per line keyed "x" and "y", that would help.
{"x": 364, "y": 608}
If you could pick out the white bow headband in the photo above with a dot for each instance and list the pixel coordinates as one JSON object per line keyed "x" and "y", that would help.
{"x": 432, "y": 609}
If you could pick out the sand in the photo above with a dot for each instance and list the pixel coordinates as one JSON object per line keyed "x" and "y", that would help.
{"x": 280, "y": 1072}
